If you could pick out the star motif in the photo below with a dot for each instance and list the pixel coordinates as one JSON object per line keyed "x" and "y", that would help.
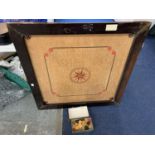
{"x": 80, "y": 75}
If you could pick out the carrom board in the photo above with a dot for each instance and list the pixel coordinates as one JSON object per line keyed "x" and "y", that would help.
{"x": 70, "y": 64}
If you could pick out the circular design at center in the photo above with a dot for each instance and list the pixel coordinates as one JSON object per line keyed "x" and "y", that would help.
{"x": 79, "y": 75}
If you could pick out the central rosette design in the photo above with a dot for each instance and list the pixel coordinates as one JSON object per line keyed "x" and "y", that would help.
{"x": 79, "y": 75}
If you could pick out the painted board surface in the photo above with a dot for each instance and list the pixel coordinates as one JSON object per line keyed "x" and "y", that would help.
{"x": 78, "y": 68}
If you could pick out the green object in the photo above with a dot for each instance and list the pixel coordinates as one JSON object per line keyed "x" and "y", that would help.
{"x": 15, "y": 78}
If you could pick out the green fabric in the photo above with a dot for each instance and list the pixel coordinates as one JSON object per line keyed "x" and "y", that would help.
{"x": 15, "y": 78}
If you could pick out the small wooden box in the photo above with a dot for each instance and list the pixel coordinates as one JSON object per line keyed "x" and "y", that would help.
{"x": 71, "y": 64}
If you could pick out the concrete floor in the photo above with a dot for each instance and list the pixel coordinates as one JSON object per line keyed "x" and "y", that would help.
{"x": 23, "y": 117}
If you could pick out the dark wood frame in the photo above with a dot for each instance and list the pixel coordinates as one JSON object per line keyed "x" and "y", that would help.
{"x": 21, "y": 31}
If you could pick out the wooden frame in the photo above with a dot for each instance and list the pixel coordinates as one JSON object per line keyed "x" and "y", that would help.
{"x": 19, "y": 32}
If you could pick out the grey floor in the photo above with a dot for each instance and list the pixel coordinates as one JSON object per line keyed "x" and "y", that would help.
{"x": 23, "y": 117}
